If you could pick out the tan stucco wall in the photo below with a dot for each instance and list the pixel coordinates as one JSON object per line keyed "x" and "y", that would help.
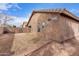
{"x": 61, "y": 29}
{"x": 38, "y": 18}
{"x": 73, "y": 24}
{"x": 33, "y": 22}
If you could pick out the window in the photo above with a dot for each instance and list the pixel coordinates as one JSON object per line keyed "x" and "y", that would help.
{"x": 54, "y": 18}
{"x": 38, "y": 29}
{"x": 43, "y": 24}
{"x": 29, "y": 26}
{"x": 49, "y": 19}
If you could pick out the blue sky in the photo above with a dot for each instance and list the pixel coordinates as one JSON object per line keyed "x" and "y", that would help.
{"x": 22, "y": 11}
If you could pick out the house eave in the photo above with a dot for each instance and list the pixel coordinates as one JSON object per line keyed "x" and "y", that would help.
{"x": 60, "y": 11}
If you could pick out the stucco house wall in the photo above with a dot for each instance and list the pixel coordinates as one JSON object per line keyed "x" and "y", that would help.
{"x": 38, "y": 19}
{"x": 63, "y": 25}
{"x": 72, "y": 23}
{"x": 33, "y": 22}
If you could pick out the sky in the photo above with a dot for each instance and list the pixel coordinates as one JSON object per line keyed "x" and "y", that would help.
{"x": 22, "y": 11}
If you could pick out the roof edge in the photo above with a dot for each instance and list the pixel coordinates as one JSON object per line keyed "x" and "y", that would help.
{"x": 64, "y": 11}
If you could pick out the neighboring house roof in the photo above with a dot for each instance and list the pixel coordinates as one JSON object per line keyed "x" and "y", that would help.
{"x": 61, "y": 11}
{"x": 24, "y": 24}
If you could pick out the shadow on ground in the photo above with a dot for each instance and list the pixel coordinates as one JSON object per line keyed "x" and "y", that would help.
{"x": 6, "y": 42}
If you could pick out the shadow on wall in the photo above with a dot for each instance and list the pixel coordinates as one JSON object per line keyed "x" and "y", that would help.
{"x": 63, "y": 40}
{"x": 6, "y": 42}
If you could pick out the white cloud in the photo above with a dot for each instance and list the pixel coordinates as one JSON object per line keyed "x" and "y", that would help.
{"x": 18, "y": 21}
{"x": 75, "y": 11}
{"x": 4, "y": 6}
{"x": 7, "y": 6}
{"x": 17, "y": 6}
